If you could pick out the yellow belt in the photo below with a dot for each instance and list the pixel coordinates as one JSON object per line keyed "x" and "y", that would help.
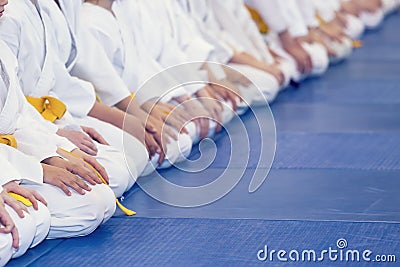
{"x": 98, "y": 99}
{"x": 51, "y": 108}
{"x": 10, "y": 140}
{"x": 255, "y": 15}
{"x": 124, "y": 209}
{"x": 320, "y": 19}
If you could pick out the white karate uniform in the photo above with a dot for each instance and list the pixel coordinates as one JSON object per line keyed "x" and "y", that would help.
{"x": 371, "y": 20}
{"x": 229, "y": 29}
{"x": 34, "y": 227}
{"x": 390, "y": 6}
{"x": 42, "y": 73}
{"x": 82, "y": 55}
{"x": 341, "y": 49}
{"x": 74, "y": 215}
{"x": 285, "y": 15}
{"x": 131, "y": 63}
{"x": 326, "y": 9}
{"x": 170, "y": 47}
{"x": 239, "y": 22}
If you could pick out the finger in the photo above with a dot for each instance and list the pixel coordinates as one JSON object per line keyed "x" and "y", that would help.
{"x": 166, "y": 130}
{"x": 232, "y": 99}
{"x": 176, "y": 124}
{"x": 75, "y": 186}
{"x": 32, "y": 199}
{"x": 89, "y": 172}
{"x": 149, "y": 126}
{"x": 84, "y": 173}
{"x": 39, "y": 197}
{"x": 80, "y": 185}
{"x": 300, "y": 66}
{"x": 87, "y": 150}
{"x": 218, "y": 128}
{"x": 180, "y": 120}
{"x": 99, "y": 138}
{"x": 15, "y": 237}
{"x": 98, "y": 167}
{"x": 218, "y": 122}
{"x": 90, "y": 145}
{"x": 6, "y": 221}
{"x": 91, "y": 175}
{"x": 162, "y": 157}
{"x": 181, "y": 113}
{"x": 161, "y": 142}
{"x": 64, "y": 188}
{"x": 204, "y": 127}
{"x": 308, "y": 64}
{"x": 151, "y": 147}
{"x": 16, "y": 206}
{"x": 75, "y": 183}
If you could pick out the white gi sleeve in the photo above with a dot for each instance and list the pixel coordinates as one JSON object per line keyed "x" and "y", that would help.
{"x": 271, "y": 13}
{"x": 93, "y": 65}
{"x": 17, "y": 166}
{"x": 308, "y": 11}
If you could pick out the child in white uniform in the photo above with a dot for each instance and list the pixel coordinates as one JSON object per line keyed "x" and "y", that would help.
{"x": 74, "y": 212}
{"x": 288, "y": 36}
{"x": 24, "y": 226}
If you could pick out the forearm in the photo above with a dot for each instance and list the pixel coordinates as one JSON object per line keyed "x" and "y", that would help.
{"x": 246, "y": 59}
{"x": 130, "y": 106}
{"x": 105, "y": 113}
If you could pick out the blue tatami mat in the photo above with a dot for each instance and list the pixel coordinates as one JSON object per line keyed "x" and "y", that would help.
{"x": 204, "y": 242}
{"x": 345, "y": 195}
{"x": 335, "y": 175}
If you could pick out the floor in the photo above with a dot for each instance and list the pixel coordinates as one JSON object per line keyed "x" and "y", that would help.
{"x": 335, "y": 177}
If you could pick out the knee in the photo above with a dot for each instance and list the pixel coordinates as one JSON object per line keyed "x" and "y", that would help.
{"x": 193, "y": 132}
{"x": 372, "y": 20}
{"x": 6, "y": 249}
{"x": 355, "y": 27}
{"x": 42, "y": 221}
{"x": 26, "y": 232}
{"x": 185, "y": 144}
{"x": 173, "y": 154}
{"x": 95, "y": 207}
{"x": 151, "y": 165}
{"x": 289, "y": 70}
{"x": 121, "y": 177}
{"x": 319, "y": 58}
{"x": 342, "y": 50}
{"x": 106, "y": 204}
{"x": 246, "y": 99}
{"x": 268, "y": 88}
{"x": 227, "y": 113}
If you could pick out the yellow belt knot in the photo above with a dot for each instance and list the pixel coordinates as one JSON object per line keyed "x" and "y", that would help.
{"x": 50, "y": 107}
{"x": 8, "y": 140}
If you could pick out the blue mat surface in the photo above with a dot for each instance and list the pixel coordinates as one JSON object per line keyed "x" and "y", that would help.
{"x": 204, "y": 242}
{"x": 336, "y": 174}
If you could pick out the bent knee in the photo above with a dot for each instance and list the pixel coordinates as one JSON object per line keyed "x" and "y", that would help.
{"x": 6, "y": 249}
